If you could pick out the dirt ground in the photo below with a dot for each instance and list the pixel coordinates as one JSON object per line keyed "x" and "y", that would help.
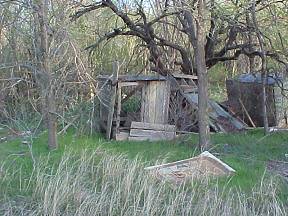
{"x": 279, "y": 167}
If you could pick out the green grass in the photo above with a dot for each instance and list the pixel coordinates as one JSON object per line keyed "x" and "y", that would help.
{"x": 247, "y": 153}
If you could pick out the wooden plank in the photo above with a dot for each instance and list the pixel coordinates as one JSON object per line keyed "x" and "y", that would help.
{"x": 132, "y": 78}
{"x": 159, "y": 103}
{"x": 143, "y": 102}
{"x": 162, "y": 103}
{"x": 119, "y": 93}
{"x": 112, "y": 103}
{"x": 104, "y": 99}
{"x": 155, "y": 102}
{"x": 151, "y": 100}
{"x": 185, "y": 76}
{"x": 152, "y": 134}
{"x": 139, "y": 139}
{"x": 188, "y": 88}
{"x": 148, "y": 102}
{"x": 122, "y": 136}
{"x": 247, "y": 114}
{"x": 145, "y": 105}
{"x": 147, "y": 138}
{"x": 111, "y": 113}
{"x": 122, "y": 84}
{"x": 151, "y": 126}
{"x": 166, "y": 102}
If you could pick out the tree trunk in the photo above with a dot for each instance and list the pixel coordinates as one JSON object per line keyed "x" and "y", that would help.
{"x": 51, "y": 121}
{"x": 204, "y": 136}
{"x": 45, "y": 78}
{"x": 195, "y": 27}
{"x": 263, "y": 69}
{"x": 264, "y": 96}
{"x": 250, "y": 41}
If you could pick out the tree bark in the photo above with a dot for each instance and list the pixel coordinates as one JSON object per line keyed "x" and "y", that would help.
{"x": 250, "y": 42}
{"x": 263, "y": 69}
{"x": 204, "y": 136}
{"x": 195, "y": 28}
{"x": 45, "y": 78}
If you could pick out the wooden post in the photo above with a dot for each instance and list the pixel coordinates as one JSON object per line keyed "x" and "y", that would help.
{"x": 118, "y": 109}
{"x": 112, "y": 103}
{"x": 247, "y": 114}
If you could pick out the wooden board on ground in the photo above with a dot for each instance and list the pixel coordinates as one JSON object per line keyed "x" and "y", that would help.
{"x": 145, "y": 138}
{"x": 147, "y": 131}
{"x": 150, "y": 126}
{"x": 158, "y": 135}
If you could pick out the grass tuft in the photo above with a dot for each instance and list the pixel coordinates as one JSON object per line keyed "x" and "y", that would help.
{"x": 98, "y": 183}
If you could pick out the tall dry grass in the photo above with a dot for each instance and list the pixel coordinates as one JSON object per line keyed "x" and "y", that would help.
{"x": 98, "y": 183}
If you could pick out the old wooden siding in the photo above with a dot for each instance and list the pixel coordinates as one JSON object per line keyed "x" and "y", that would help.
{"x": 107, "y": 95}
{"x": 104, "y": 95}
{"x": 155, "y": 102}
{"x": 151, "y": 131}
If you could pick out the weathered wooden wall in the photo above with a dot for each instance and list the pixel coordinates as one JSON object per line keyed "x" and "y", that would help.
{"x": 155, "y": 102}
{"x": 104, "y": 96}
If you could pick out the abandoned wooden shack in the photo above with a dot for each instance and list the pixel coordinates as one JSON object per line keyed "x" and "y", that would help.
{"x": 244, "y": 99}
{"x": 162, "y": 107}
{"x": 152, "y": 120}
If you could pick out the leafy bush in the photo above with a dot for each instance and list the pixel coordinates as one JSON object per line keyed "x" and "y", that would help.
{"x": 133, "y": 104}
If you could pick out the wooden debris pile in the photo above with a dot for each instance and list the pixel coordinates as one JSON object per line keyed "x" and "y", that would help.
{"x": 184, "y": 108}
{"x": 219, "y": 119}
{"x": 140, "y": 131}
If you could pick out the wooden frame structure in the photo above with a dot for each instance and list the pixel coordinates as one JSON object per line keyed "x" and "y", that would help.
{"x": 155, "y": 96}
{"x": 163, "y": 101}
